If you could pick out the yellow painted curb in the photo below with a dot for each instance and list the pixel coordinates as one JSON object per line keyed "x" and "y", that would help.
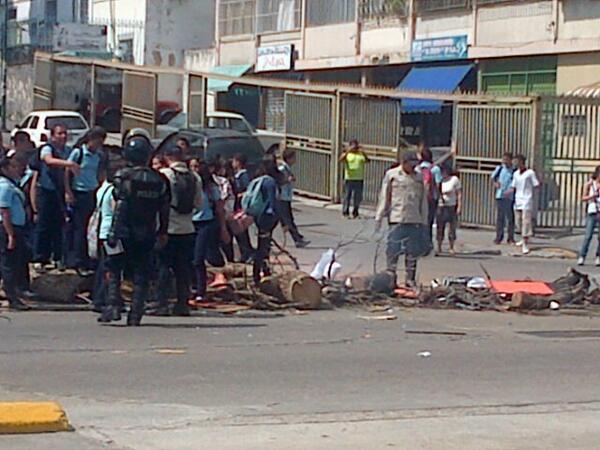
{"x": 22, "y": 418}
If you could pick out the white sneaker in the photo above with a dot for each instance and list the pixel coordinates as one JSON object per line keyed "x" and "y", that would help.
{"x": 525, "y": 249}
{"x": 519, "y": 244}
{"x": 581, "y": 261}
{"x": 597, "y": 262}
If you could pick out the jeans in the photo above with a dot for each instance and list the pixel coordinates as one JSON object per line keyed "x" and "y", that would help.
{"x": 431, "y": 213}
{"x": 206, "y": 248}
{"x": 177, "y": 256}
{"x": 266, "y": 224}
{"x": 506, "y": 215}
{"x": 405, "y": 239}
{"x": 48, "y": 239}
{"x": 353, "y": 190}
{"x": 138, "y": 255}
{"x": 100, "y": 291}
{"x": 83, "y": 209}
{"x": 590, "y": 226}
{"x": 287, "y": 220}
{"x": 446, "y": 215}
{"x": 13, "y": 263}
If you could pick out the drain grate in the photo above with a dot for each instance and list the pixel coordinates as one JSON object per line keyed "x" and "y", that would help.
{"x": 564, "y": 334}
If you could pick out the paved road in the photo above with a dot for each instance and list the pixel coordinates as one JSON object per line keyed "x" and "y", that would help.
{"x": 325, "y": 380}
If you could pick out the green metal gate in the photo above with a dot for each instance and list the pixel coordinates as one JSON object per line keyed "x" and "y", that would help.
{"x": 310, "y": 128}
{"x": 482, "y": 134}
{"x": 139, "y": 101}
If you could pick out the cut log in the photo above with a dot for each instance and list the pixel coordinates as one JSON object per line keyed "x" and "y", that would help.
{"x": 294, "y": 287}
{"x": 525, "y": 302}
{"x": 61, "y": 287}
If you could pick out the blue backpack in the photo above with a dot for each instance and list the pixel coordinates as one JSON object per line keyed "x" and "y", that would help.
{"x": 253, "y": 201}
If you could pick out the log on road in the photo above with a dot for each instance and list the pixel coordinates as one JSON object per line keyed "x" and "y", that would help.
{"x": 294, "y": 287}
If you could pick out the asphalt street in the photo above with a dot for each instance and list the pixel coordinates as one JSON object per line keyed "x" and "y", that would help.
{"x": 322, "y": 380}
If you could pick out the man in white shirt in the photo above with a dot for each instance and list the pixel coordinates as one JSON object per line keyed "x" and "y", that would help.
{"x": 524, "y": 185}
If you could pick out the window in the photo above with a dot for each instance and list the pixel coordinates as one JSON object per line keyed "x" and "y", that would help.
{"x": 378, "y": 9}
{"x": 35, "y": 120}
{"x": 71, "y": 122}
{"x": 239, "y": 125}
{"x": 217, "y": 122}
{"x": 25, "y": 123}
{"x": 12, "y": 14}
{"x": 236, "y": 17}
{"x": 277, "y": 15}
{"x": 328, "y": 12}
{"x": 574, "y": 125}
{"x": 441, "y": 5}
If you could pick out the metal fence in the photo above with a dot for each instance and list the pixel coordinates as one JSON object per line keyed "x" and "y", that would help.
{"x": 328, "y": 12}
{"x": 379, "y": 9}
{"x": 483, "y": 133}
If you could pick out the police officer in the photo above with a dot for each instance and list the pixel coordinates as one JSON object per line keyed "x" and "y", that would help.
{"x": 142, "y": 198}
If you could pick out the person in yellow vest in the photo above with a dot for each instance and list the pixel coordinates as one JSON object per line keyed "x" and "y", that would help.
{"x": 354, "y": 160}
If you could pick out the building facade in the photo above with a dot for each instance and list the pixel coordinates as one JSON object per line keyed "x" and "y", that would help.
{"x": 525, "y": 46}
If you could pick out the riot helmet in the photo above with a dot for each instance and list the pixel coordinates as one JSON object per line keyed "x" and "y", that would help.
{"x": 137, "y": 151}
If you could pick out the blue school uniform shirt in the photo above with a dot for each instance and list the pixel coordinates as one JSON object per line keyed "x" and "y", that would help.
{"x": 242, "y": 180}
{"x": 504, "y": 176}
{"x": 104, "y": 201}
{"x": 207, "y": 211}
{"x": 87, "y": 180}
{"x": 12, "y": 198}
{"x": 45, "y": 181}
{"x": 287, "y": 189}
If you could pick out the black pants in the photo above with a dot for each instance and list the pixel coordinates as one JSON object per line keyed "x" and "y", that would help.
{"x": 353, "y": 190}
{"x": 176, "y": 256}
{"x": 83, "y": 209}
{"x": 266, "y": 224}
{"x": 49, "y": 228}
{"x": 246, "y": 250}
{"x": 13, "y": 263}
{"x": 431, "y": 213}
{"x": 286, "y": 214}
{"x": 100, "y": 292}
{"x": 446, "y": 215}
{"x": 138, "y": 256}
{"x": 505, "y": 216}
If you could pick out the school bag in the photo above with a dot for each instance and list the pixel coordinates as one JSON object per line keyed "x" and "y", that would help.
{"x": 184, "y": 190}
{"x": 429, "y": 180}
{"x": 253, "y": 201}
{"x": 93, "y": 228}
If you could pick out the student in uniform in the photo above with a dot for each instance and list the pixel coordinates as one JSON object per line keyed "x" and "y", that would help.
{"x": 80, "y": 192}
{"x": 241, "y": 180}
{"x": 13, "y": 249}
{"x": 286, "y": 197}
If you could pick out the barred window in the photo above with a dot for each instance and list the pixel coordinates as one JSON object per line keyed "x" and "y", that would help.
{"x": 236, "y": 17}
{"x": 327, "y": 12}
{"x": 278, "y": 15}
{"x": 441, "y": 5}
{"x": 378, "y": 9}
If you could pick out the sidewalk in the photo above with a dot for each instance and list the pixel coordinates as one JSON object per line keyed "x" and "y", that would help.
{"x": 362, "y": 251}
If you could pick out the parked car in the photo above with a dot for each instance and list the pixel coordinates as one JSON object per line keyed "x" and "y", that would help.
{"x": 207, "y": 143}
{"x": 39, "y": 123}
{"x": 227, "y": 121}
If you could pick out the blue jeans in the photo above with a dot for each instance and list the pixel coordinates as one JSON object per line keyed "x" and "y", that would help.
{"x": 206, "y": 248}
{"x": 83, "y": 209}
{"x": 590, "y": 226}
{"x": 48, "y": 239}
{"x": 410, "y": 240}
{"x": 353, "y": 192}
{"x": 505, "y": 216}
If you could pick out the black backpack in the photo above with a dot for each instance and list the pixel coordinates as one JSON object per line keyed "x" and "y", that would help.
{"x": 183, "y": 191}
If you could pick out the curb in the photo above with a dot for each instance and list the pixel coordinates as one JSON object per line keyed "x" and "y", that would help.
{"x": 24, "y": 418}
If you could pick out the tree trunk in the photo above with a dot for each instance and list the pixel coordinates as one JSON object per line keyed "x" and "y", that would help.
{"x": 294, "y": 287}
{"x": 61, "y": 287}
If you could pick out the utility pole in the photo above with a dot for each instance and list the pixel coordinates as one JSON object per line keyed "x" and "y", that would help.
{"x": 4, "y": 65}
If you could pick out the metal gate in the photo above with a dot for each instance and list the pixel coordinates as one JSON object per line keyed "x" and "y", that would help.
{"x": 570, "y": 147}
{"x": 375, "y": 123}
{"x": 43, "y": 86}
{"x": 196, "y": 101}
{"x": 310, "y": 128}
{"x": 139, "y": 101}
{"x": 482, "y": 134}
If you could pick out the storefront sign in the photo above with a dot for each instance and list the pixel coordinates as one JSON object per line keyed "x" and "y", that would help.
{"x": 274, "y": 57}
{"x": 440, "y": 49}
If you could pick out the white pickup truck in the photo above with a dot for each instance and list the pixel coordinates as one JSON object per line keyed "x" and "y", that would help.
{"x": 230, "y": 121}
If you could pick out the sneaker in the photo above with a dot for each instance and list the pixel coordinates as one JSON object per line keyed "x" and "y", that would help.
{"x": 597, "y": 261}
{"x": 497, "y": 242}
{"x": 84, "y": 273}
{"x": 161, "y": 311}
{"x": 581, "y": 261}
{"x": 60, "y": 266}
{"x": 526, "y": 250}
{"x": 302, "y": 243}
{"x": 519, "y": 244}
{"x": 18, "y": 305}
{"x": 39, "y": 268}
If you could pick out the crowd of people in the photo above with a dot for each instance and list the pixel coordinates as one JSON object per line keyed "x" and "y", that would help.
{"x": 124, "y": 211}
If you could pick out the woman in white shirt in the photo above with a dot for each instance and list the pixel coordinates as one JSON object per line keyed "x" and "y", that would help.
{"x": 449, "y": 208}
{"x": 591, "y": 197}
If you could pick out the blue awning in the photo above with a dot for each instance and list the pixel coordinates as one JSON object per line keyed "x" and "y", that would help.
{"x": 437, "y": 79}
{"x": 215, "y": 85}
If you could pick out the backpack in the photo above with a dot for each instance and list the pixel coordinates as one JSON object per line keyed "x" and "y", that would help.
{"x": 253, "y": 201}
{"x": 184, "y": 191}
{"x": 56, "y": 174}
{"x": 93, "y": 228}
{"x": 429, "y": 180}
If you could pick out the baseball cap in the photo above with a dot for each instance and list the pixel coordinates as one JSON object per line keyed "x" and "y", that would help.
{"x": 410, "y": 157}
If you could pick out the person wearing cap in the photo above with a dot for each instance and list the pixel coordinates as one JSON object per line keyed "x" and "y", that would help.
{"x": 13, "y": 248}
{"x": 403, "y": 201}
{"x": 178, "y": 254}
{"x": 354, "y": 160}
